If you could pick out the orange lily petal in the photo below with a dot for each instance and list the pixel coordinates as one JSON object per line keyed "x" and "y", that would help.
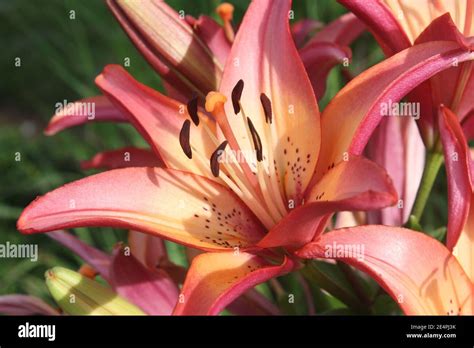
{"x": 416, "y": 270}
{"x": 256, "y": 58}
{"x": 357, "y": 184}
{"x": 353, "y": 114}
{"x": 464, "y": 248}
{"x": 159, "y": 119}
{"x": 122, "y": 158}
{"x": 414, "y": 17}
{"x": 216, "y": 279}
{"x": 75, "y": 114}
{"x": 175, "y": 205}
{"x": 457, "y": 159}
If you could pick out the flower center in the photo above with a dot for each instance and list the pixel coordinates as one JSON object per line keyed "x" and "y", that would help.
{"x": 253, "y": 177}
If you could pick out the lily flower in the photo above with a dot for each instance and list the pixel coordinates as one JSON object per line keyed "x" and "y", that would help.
{"x": 178, "y": 46}
{"x": 170, "y": 45}
{"x": 401, "y": 24}
{"x": 257, "y": 176}
{"x": 140, "y": 277}
{"x": 79, "y": 295}
{"x": 139, "y": 273}
{"x": 417, "y": 271}
{"x": 435, "y": 281}
{"x": 134, "y": 287}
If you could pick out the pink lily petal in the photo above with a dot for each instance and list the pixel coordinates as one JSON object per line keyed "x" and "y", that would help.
{"x": 150, "y": 289}
{"x": 253, "y": 303}
{"x": 381, "y": 22}
{"x": 96, "y": 258}
{"x": 159, "y": 119}
{"x": 457, "y": 159}
{"x": 465, "y": 107}
{"x": 302, "y": 29}
{"x": 416, "y": 270}
{"x": 256, "y": 58}
{"x": 397, "y": 146}
{"x": 123, "y": 158}
{"x": 319, "y": 58}
{"x": 357, "y": 184}
{"x": 216, "y": 279}
{"x": 149, "y": 250}
{"x": 25, "y": 305}
{"x": 444, "y": 86}
{"x": 175, "y": 205}
{"x": 354, "y": 113}
{"x": 468, "y": 126}
{"x": 212, "y": 34}
{"x": 342, "y": 31}
{"x": 74, "y": 116}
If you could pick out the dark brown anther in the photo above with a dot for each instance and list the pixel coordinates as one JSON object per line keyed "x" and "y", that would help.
{"x": 192, "y": 107}
{"x": 184, "y": 139}
{"x": 267, "y": 107}
{"x": 257, "y": 143}
{"x": 236, "y": 95}
{"x": 215, "y": 158}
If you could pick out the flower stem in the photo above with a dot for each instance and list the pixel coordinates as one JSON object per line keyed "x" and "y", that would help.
{"x": 325, "y": 282}
{"x": 434, "y": 160}
{"x": 355, "y": 282}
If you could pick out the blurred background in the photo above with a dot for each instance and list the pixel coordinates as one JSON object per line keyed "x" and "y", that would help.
{"x": 60, "y": 57}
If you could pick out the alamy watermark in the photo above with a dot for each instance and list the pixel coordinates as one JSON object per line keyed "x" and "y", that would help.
{"x": 21, "y": 251}
{"x": 344, "y": 251}
{"x": 400, "y": 109}
{"x": 239, "y": 156}
{"x": 66, "y": 108}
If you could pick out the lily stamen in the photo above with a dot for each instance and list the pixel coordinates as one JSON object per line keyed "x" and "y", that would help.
{"x": 267, "y": 107}
{"x": 216, "y": 155}
{"x": 215, "y": 105}
{"x": 267, "y": 178}
{"x": 192, "y": 107}
{"x": 277, "y": 188}
{"x": 261, "y": 169}
{"x": 226, "y": 12}
{"x": 236, "y": 95}
{"x": 233, "y": 182}
{"x": 184, "y": 140}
